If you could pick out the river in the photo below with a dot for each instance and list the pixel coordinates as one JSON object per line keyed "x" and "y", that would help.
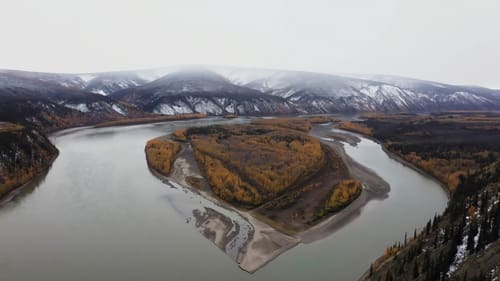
{"x": 100, "y": 214}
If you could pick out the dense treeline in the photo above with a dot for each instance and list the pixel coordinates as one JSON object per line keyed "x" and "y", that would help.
{"x": 445, "y": 145}
{"x": 225, "y": 183}
{"x": 462, "y": 244}
{"x": 342, "y": 194}
{"x": 160, "y": 154}
{"x": 355, "y": 127}
{"x": 24, "y": 153}
{"x": 449, "y": 244}
{"x": 125, "y": 121}
{"x": 254, "y": 163}
{"x": 299, "y": 124}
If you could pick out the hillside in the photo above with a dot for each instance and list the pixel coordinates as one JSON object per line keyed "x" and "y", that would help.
{"x": 242, "y": 91}
{"x": 462, "y": 151}
{"x": 201, "y": 92}
{"x": 54, "y": 102}
{"x": 24, "y": 153}
{"x": 323, "y": 93}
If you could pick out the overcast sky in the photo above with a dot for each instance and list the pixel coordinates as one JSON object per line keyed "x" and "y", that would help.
{"x": 455, "y": 41}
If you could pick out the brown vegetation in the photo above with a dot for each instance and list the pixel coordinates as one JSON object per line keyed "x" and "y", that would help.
{"x": 272, "y": 166}
{"x": 226, "y": 184}
{"x": 24, "y": 153}
{"x": 160, "y": 154}
{"x": 445, "y": 145}
{"x": 10, "y": 127}
{"x": 150, "y": 119}
{"x": 299, "y": 124}
{"x": 342, "y": 194}
{"x": 355, "y": 127}
{"x": 461, "y": 149}
{"x": 230, "y": 116}
{"x": 320, "y": 119}
{"x": 249, "y": 164}
{"x": 448, "y": 171}
{"x": 179, "y": 135}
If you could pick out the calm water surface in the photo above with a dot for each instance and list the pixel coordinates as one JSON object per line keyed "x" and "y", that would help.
{"x": 99, "y": 214}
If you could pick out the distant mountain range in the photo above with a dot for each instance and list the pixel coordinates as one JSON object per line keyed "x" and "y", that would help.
{"x": 223, "y": 90}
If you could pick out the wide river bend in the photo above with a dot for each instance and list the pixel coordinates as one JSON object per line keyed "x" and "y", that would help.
{"x": 100, "y": 214}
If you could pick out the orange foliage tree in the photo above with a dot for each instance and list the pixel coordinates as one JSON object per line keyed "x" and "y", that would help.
{"x": 259, "y": 162}
{"x": 160, "y": 154}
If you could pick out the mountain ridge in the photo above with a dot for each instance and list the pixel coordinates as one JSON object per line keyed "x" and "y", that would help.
{"x": 247, "y": 91}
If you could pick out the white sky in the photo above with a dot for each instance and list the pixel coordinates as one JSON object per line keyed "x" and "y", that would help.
{"x": 455, "y": 41}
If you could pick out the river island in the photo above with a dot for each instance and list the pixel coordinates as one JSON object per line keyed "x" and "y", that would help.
{"x": 288, "y": 177}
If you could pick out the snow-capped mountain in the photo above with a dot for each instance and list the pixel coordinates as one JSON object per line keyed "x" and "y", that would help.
{"x": 107, "y": 83}
{"x": 55, "y": 101}
{"x": 202, "y": 91}
{"x": 223, "y": 90}
{"x": 322, "y": 93}
{"x": 102, "y": 83}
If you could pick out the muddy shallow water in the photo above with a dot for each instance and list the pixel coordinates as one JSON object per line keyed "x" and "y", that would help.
{"x": 100, "y": 214}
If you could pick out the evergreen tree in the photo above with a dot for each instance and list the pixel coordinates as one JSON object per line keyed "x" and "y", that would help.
{"x": 416, "y": 272}
{"x": 473, "y": 228}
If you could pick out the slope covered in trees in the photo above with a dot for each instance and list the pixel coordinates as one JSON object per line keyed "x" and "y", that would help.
{"x": 24, "y": 153}
{"x": 462, "y": 243}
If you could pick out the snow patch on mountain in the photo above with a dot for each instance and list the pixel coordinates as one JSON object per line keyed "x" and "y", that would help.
{"x": 119, "y": 109}
{"x": 99, "y": 92}
{"x": 86, "y": 77}
{"x": 82, "y": 107}
{"x": 171, "y": 109}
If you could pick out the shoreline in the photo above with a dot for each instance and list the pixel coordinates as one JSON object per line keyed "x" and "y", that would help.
{"x": 15, "y": 191}
{"x": 148, "y": 120}
{"x": 54, "y": 133}
{"x": 402, "y": 161}
{"x": 267, "y": 241}
{"x": 320, "y": 230}
{"x": 374, "y": 187}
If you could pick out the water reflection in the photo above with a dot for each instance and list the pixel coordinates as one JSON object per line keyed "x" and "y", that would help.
{"x": 18, "y": 195}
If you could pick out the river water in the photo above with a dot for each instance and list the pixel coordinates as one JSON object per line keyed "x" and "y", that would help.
{"x": 100, "y": 214}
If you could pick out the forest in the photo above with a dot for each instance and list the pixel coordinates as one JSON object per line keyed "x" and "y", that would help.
{"x": 355, "y": 127}
{"x": 445, "y": 145}
{"x": 251, "y": 164}
{"x": 24, "y": 153}
{"x": 342, "y": 194}
{"x": 270, "y": 166}
{"x": 461, "y": 149}
{"x": 160, "y": 154}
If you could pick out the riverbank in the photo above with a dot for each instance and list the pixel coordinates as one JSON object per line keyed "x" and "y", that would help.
{"x": 264, "y": 244}
{"x": 270, "y": 238}
{"x": 374, "y": 187}
{"x": 24, "y": 155}
{"x": 124, "y": 217}
{"x": 149, "y": 119}
{"x": 460, "y": 151}
{"x": 13, "y": 184}
{"x": 351, "y": 139}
